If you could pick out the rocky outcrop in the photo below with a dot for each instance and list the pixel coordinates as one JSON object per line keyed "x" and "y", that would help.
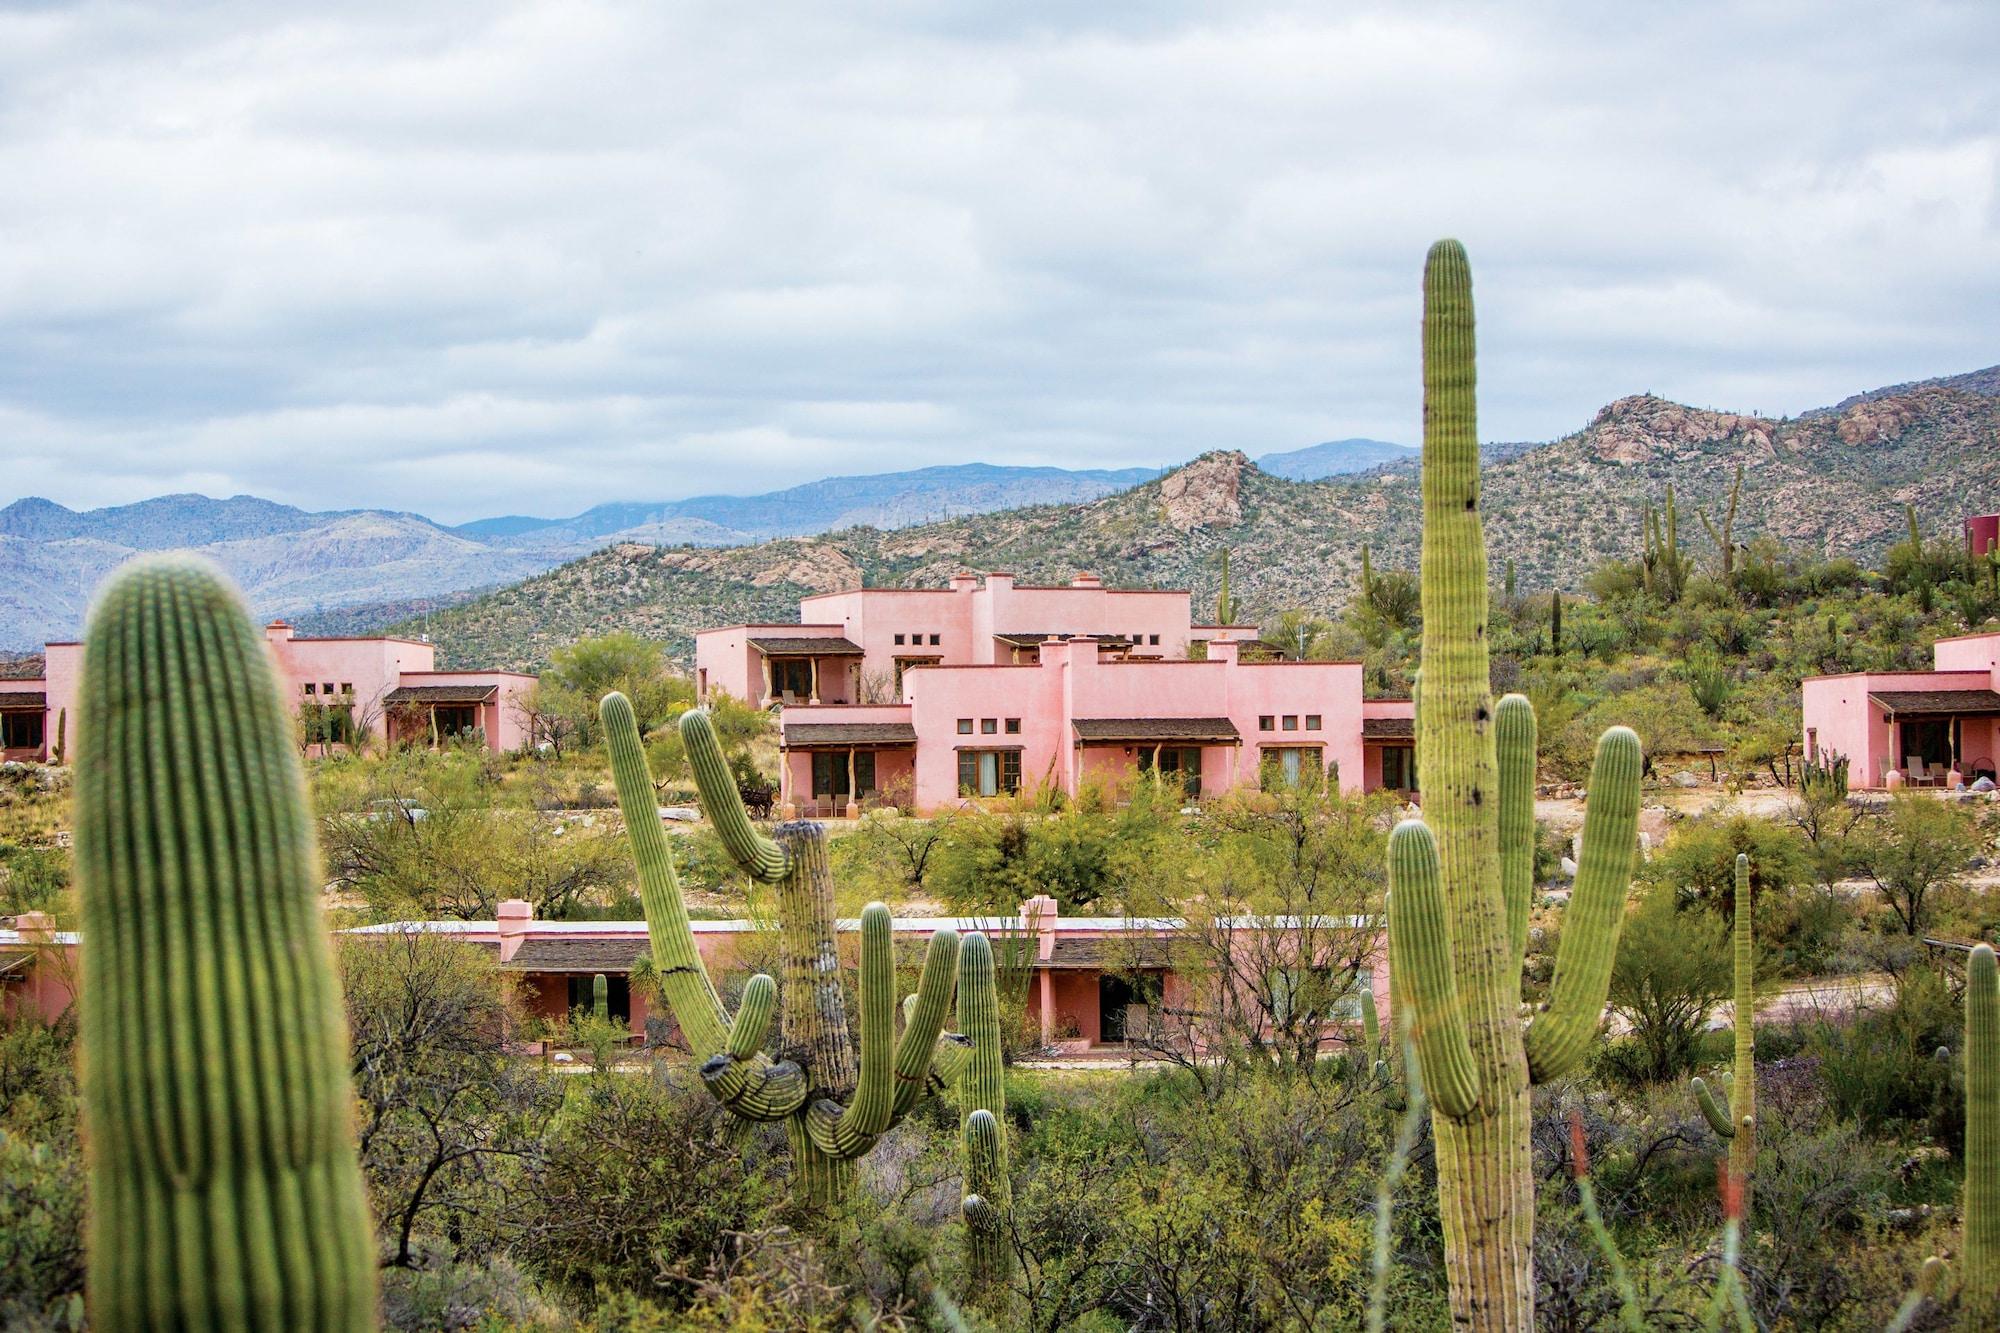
{"x": 1206, "y": 493}
{"x": 1642, "y": 427}
{"x": 1877, "y": 421}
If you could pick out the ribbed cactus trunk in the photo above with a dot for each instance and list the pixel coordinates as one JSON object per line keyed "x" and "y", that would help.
{"x": 815, "y": 1065}
{"x": 1486, "y": 1187}
{"x": 982, "y": 1105}
{"x": 600, "y": 997}
{"x": 1734, "y": 1117}
{"x": 224, "y": 1189}
{"x": 1462, "y": 877}
{"x": 1980, "y": 1290}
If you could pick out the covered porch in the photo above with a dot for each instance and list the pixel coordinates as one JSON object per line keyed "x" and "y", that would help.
{"x": 800, "y": 669}
{"x": 1936, "y": 733}
{"x": 1389, "y": 754}
{"x": 837, "y": 769}
{"x": 434, "y": 715}
{"x": 1203, "y": 753}
{"x": 24, "y": 725}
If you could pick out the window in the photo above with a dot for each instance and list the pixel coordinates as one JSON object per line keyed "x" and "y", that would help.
{"x": 1153, "y": 639}
{"x": 989, "y": 772}
{"x": 830, "y": 773}
{"x": 989, "y": 726}
{"x": 1182, "y": 761}
{"x": 1268, "y": 722}
{"x": 617, "y": 995}
{"x": 326, "y": 688}
{"x": 311, "y": 688}
{"x": 1312, "y": 721}
{"x": 1399, "y": 768}
{"x": 1291, "y": 722}
{"x": 1013, "y": 726}
{"x": 965, "y": 726}
{"x": 899, "y": 639}
{"x": 935, "y": 639}
{"x": 452, "y": 720}
{"x": 21, "y": 730}
{"x": 1281, "y": 767}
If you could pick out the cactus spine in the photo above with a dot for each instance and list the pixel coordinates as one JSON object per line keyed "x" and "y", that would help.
{"x": 982, "y": 1103}
{"x": 835, "y": 1101}
{"x": 1460, "y": 881}
{"x": 1737, "y": 1124}
{"x": 224, "y": 1189}
{"x": 1981, "y": 1285}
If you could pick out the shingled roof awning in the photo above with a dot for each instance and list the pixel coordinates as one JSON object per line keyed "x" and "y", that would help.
{"x": 799, "y": 645}
{"x": 1111, "y": 953}
{"x": 1388, "y": 729}
{"x": 1937, "y": 703}
{"x": 577, "y": 955}
{"x": 440, "y": 694}
{"x": 1016, "y": 639}
{"x": 1114, "y": 730}
{"x": 20, "y": 701}
{"x": 805, "y": 735}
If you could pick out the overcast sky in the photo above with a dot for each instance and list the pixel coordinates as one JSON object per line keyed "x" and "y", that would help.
{"x": 526, "y": 258}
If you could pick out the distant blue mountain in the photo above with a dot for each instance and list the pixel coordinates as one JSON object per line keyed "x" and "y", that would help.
{"x": 1336, "y": 458}
{"x": 883, "y": 500}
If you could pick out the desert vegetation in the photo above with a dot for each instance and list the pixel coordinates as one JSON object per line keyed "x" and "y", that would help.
{"x": 1744, "y": 1079}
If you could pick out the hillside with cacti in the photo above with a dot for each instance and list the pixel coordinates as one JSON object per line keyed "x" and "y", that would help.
{"x": 1834, "y": 482}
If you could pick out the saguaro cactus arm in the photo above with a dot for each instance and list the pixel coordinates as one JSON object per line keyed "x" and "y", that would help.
{"x": 1514, "y": 746}
{"x": 733, "y": 1069}
{"x": 1420, "y": 953}
{"x": 224, "y": 1189}
{"x": 758, "y": 856}
{"x": 1712, "y": 1110}
{"x": 1558, "y": 1038}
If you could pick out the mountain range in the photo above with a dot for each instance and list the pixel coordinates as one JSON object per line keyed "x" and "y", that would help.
{"x": 295, "y": 562}
{"x": 1833, "y": 481}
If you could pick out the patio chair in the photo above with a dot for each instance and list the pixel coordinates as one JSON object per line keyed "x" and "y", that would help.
{"x": 1916, "y": 770}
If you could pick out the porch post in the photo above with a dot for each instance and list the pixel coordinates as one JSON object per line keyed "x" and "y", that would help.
{"x": 814, "y": 697}
{"x": 853, "y": 796}
{"x": 1048, "y": 988}
{"x": 767, "y": 680}
{"x": 785, "y": 783}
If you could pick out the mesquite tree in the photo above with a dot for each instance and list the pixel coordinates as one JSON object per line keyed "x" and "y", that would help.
{"x": 1461, "y": 879}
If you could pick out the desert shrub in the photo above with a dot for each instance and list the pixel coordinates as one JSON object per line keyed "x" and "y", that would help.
{"x": 1882, "y": 1066}
{"x": 489, "y": 1295}
{"x": 41, "y": 1177}
{"x": 1673, "y": 967}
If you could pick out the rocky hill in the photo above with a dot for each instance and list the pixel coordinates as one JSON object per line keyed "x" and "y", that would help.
{"x": 1833, "y": 481}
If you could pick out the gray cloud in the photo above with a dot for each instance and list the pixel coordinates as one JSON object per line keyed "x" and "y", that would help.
{"x": 478, "y": 258}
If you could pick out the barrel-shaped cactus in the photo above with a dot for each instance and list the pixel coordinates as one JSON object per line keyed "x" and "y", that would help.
{"x": 1461, "y": 879}
{"x": 834, "y": 1099}
{"x": 1734, "y": 1118}
{"x": 600, "y": 998}
{"x": 224, "y": 1189}
{"x": 982, "y": 1105}
{"x": 1979, "y": 1287}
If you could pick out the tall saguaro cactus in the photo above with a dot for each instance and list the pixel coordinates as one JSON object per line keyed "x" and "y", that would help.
{"x": 1980, "y": 1288}
{"x": 834, "y": 1099}
{"x": 1736, "y": 1123}
{"x": 1461, "y": 879}
{"x": 224, "y": 1189}
{"x": 982, "y": 1105}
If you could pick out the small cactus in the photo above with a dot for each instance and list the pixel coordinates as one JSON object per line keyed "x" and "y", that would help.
{"x": 835, "y": 1101}
{"x": 982, "y": 1102}
{"x": 1736, "y": 1123}
{"x": 600, "y": 998}
{"x": 224, "y": 1189}
{"x": 1980, "y": 1285}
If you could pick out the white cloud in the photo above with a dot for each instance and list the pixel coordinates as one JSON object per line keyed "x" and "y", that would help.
{"x": 471, "y": 258}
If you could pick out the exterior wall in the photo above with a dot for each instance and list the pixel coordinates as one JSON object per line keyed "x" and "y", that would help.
{"x": 1840, "y": 720}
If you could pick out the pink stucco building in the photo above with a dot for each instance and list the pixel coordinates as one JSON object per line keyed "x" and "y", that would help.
{"x": 930, "y": 697}
{"x": 1914, "y": 727}
{"x": 1093, "y": 983}
{"x": 346, "y": 689}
